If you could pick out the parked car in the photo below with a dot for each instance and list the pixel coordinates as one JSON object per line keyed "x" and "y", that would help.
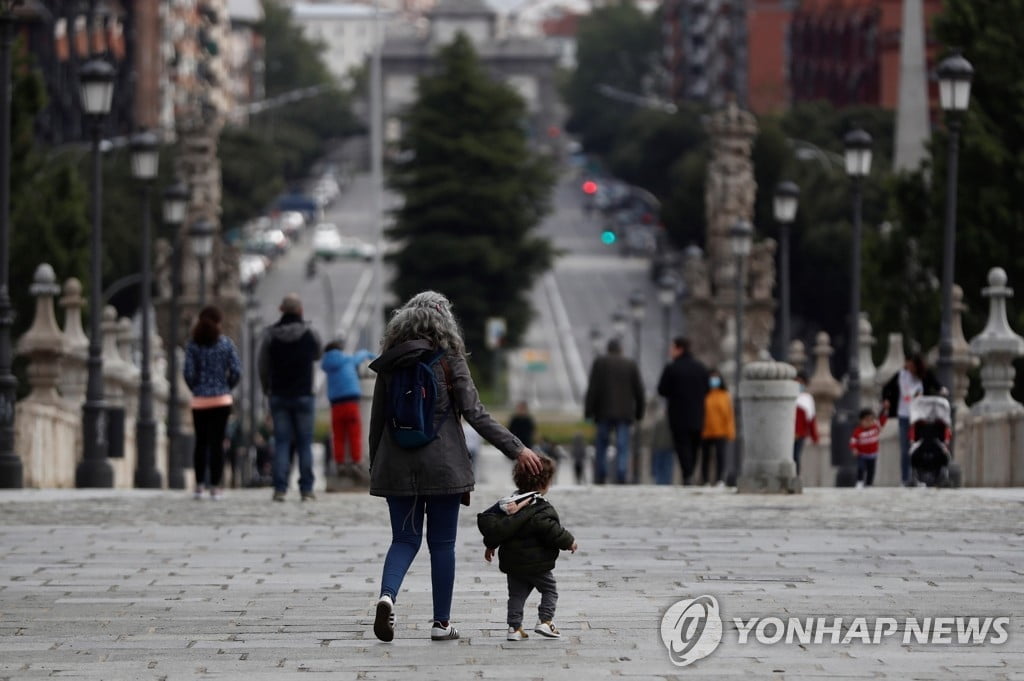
{"x": 291, "y": 223}
{"x": 353, "y": 247}
{"x": 251, "y": 268}
{"x": 327, "y": 242}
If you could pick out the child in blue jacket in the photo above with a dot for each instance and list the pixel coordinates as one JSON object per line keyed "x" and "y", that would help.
{"x": 343, "y": 391}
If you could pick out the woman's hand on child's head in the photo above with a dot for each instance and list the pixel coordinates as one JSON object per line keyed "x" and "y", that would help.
{"x": 530, "y": 460}
{"x": 488, "y": 555}
{"x": 572, "y": 549}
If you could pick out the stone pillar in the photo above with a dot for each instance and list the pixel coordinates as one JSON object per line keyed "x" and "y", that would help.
{"x": 998, "y": 346}
{"x": 74, "y": 372}
{"x": 868, "y": 393}
{"x": 824, "y": 387}
{"x": 894, "y": 361}
{"x": 963, "y": 360}
{"x": 126, "y": 342}
{"x": 768, "y": 398}
{"x": 43, "y": 343}
{"x": 797, "y": 355}
{"x": 114, "y": 368}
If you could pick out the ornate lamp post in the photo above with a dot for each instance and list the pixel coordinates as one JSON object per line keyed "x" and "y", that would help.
{"x": 175, "y": 206}
{"x": 955, "y": 74}
{"x": 145, "y": 150}
{"x": 201, "y": 233}
{"x": 784, "y": 205}
{"x": 857, "y": 158}
{"x": 637, "y": 308}
{"x": 667, "y": 288}
{"x": 741, "y": 237}
{"x": 96, "y": 88}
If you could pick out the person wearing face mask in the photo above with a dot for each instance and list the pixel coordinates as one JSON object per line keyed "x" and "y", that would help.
{"x": 719, "y": 428}
{"x": 806, "y": 426}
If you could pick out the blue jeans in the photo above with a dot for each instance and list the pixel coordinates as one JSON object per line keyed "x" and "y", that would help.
{"x": 904, "y": 449}
{"x": 407, "y": 513}
{"x": 663, "y": 462}
{"x": 604, "y": 429}
{"x": 293, "y": 423}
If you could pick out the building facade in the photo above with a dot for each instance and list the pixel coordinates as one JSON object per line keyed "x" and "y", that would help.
{"x": 347, "y": 31}
{"x": 704, "y": 44}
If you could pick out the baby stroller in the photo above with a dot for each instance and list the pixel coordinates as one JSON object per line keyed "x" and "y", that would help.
{"x": 930, "y": 433}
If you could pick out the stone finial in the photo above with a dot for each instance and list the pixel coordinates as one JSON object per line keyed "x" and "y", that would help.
{"x": 113, "y": 366}
{"x": 963, "y": 360}
{"x": 768, "y": 396}
{"x": 998, "y": 346}
{"x": 767, "y": 370}
{"x": 798, "y": 355}
{"x": 126, "y": 340}
{"x": 867, "y": 364}
{"x": 76, "y": 342}
{"x": 43, "y": 343}
{"x": 894, "y": 360}
{"x": 823, "y": 386}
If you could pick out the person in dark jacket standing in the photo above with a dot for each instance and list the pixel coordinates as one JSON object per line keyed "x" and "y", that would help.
{"x": 913, "y": 380}
{"x": 614, "y": 400}
{"x": 528, "y": 536}
{"x": 428, "y": 481}
{"x": 212, "y": 370}
{"x": 287, "y": 358}
{"x": 684, "y": 384}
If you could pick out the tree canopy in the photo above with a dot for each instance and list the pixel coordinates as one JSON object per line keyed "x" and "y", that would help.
{"x": 473, "y": 194}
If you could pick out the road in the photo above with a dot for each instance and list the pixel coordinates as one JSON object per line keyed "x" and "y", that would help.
{"x": 588, "y": 283}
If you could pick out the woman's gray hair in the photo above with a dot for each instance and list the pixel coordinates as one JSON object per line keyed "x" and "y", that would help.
{"x": 428, "y": 316}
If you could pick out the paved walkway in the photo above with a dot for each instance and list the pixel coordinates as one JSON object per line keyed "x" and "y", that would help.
{"x": 153, "y": 585}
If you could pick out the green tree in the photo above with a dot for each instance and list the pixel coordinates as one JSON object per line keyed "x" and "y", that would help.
{"x": 474, "y": 194}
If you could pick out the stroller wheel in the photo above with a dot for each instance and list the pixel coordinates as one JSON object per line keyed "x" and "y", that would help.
{"x": 943, "y": 477}
{"x": 956, "y": 476}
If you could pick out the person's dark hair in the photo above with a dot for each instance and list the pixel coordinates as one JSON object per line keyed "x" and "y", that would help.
{"x": 682, "y": 343}
{"x": 334, "y": 345}
{"x": 207, "y": 328}
{"x": 801, "y": 376}
{"x": 526, "y": 481}
{"x": 919, "y": 366}
{"x": 864, "y": 413}
{"x": 614, "y": 346}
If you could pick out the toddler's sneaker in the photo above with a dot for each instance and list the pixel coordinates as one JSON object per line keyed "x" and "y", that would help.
{"x": 198, "y": 494}
{"x": 516, "y": 634}
{"x": 860, "y": 484}
{"x": 443, "y": 632}
{"x": 547, "y": 629}
{"x": 216, "y": 494}
{"x": 384, "y": 622}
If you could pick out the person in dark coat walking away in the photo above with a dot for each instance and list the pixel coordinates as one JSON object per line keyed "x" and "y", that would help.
{"x": 684, "y": 384}
{"x": 522, "y": 424}
{"x": 287, "y": 358}
{"x": 913, "y": 380}
{"x": 212, "y": 370}
{"x": 428, "y": 482}
{"x": 528, "y": 536}
{"x": 614, "y": 400}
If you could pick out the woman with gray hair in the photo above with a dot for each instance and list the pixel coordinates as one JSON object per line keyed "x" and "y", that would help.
{"x": 428, "y": 482}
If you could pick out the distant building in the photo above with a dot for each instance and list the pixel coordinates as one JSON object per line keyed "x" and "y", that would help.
{"x": 704, "y": 50}
{"x": 848, "y": 51}
{"x": 345, "y": 29}
{"x": 244, "y": 55}
{"x": 559, "y": 29}
{"x": 526, "y": 64}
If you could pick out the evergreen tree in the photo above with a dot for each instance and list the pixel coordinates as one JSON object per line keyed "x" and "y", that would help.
{"x": 473, "y": 195}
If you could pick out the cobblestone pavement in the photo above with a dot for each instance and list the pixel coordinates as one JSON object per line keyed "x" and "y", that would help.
{"x": 153, "y": 585}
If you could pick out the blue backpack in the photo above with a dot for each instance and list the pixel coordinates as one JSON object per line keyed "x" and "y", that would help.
{"x": 412, "y": 395}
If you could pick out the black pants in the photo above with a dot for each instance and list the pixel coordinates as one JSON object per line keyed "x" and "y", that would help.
{"x": 686, "y": 443}
{"x": 519, "y": 588}
{"x": 709, "y": 446}
{"x": 866, "y": 470}
{"x": 210, "y": 425}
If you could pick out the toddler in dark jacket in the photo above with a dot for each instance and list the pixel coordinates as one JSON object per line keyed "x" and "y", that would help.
{"x": 528, "y": 536}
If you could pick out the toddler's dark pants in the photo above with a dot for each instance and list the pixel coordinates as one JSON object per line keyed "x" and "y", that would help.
{"x": 519, "y": 588}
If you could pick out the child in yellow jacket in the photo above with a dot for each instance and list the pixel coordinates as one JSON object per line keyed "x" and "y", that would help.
{"x": 719, "y": 428}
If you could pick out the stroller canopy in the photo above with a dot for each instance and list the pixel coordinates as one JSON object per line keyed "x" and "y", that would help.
{"x": 931, "y": 409}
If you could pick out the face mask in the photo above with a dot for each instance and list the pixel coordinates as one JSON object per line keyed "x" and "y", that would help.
{"x": 715, "y": 382}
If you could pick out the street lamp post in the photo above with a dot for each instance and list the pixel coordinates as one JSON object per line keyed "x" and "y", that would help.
{"x": 96, "y": 80}
{"x": 254, "y": 322}
{"x": 667, "y": 297}
{"x": 857, "y": 157}
{"x": 784, "y": 205}
{"x": 201, "y": 234}
{"x": 955, "y": 74}
{"x": 741, "y": 236}
{"x": 175, "y": 206}
{"x": 637, "y": 308}
{"x": 145, "y": 150}
{"x": 11, "y": 472}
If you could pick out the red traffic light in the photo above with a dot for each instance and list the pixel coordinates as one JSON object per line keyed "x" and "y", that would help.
{"x": 589, "y": 187}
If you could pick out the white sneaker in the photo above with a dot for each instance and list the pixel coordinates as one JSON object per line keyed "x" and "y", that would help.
{"x": 860, "y": 484}
{"x": 216, "y": 494}
{"x": 516, "y": 634}
{"x": 439, "y": 633}
{"x": 198, "y": 494}
{"x": 547, "y": 629}
{"x": 384, "y": 622}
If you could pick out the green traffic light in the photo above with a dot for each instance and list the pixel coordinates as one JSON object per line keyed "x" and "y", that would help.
{"x": 608, "y": 237}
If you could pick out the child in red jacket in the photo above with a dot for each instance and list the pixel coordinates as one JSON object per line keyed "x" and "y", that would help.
{"x": 864, "y": 444}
